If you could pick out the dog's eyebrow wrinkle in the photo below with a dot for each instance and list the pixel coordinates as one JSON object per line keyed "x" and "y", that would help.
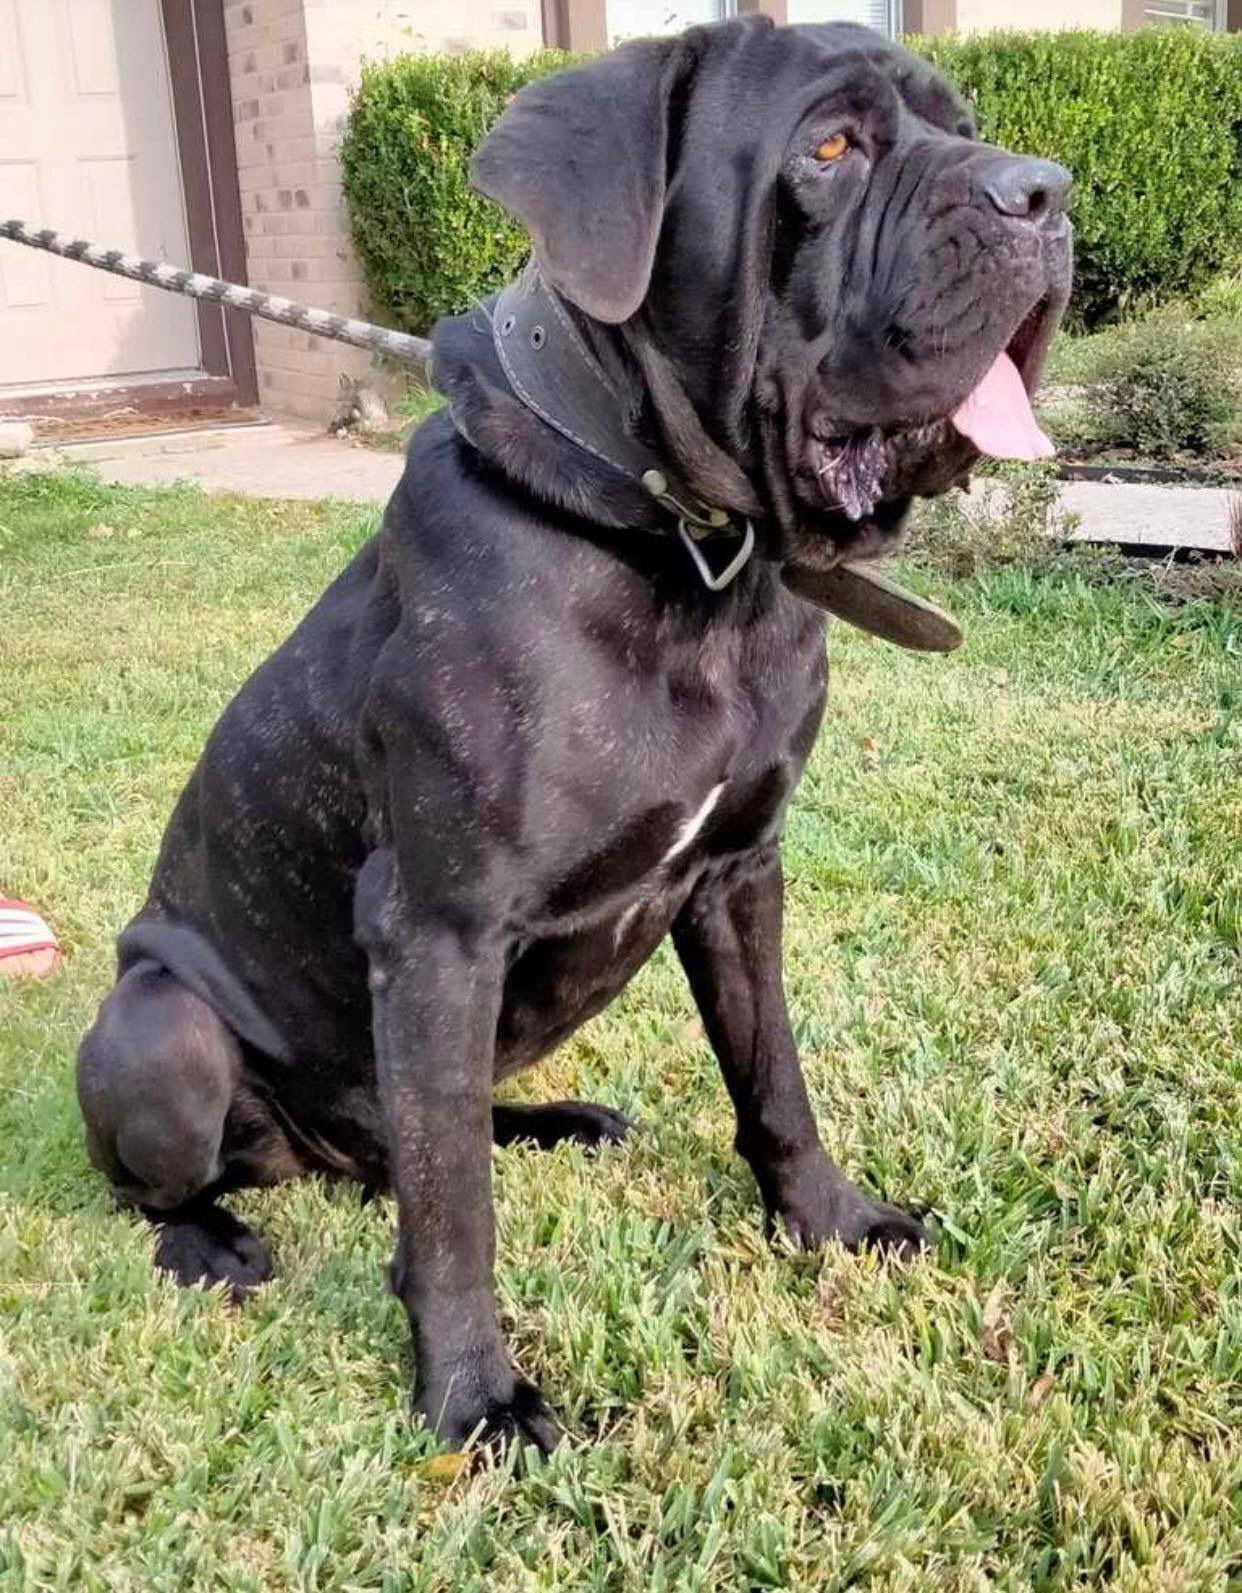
{"x": 694, "y": 823}
{"x": 880, "y": 222}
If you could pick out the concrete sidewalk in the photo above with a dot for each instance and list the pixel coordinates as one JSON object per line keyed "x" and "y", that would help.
{"x": 273, "y": 460}
{"x": 278, "y": 460}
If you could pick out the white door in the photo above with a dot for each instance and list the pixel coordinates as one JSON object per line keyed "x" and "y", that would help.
{"x": 88, "y": 147}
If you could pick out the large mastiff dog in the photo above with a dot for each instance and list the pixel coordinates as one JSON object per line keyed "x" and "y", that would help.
{"x": 556, "y": 709}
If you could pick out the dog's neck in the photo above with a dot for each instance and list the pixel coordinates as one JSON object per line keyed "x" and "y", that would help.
{"x": 564, "y": 413}
{"x": 578, "y": 384}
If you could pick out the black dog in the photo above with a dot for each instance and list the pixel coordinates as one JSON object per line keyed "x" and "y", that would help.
{"x": 523, "y": 737}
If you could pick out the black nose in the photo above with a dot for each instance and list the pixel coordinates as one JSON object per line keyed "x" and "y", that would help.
{"x": 1030, "y": 189}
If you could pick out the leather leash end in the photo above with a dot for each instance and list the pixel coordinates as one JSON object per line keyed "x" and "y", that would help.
{"x": 872, "y": 603}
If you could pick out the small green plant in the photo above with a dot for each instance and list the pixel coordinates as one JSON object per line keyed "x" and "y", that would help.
{"x": 1223, "y": 297}
{"x": 1163, "y": 387}
{"x": 408, "y": 413}
{"x": 1013, "y": 516}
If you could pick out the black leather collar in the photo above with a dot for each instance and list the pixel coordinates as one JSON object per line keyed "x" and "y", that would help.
{"x": 556, "y": 376}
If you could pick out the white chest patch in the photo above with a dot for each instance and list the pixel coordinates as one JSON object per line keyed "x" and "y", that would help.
{"x": 694, "y": 823}
{"x": 625, "y": 920}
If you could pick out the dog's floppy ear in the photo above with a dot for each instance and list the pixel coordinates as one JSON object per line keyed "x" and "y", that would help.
{"x": 580, "y": 160}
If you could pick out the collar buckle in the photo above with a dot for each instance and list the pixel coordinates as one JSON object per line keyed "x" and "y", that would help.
{"x": 695, "y": 523}
{"x": 703, "y": 517}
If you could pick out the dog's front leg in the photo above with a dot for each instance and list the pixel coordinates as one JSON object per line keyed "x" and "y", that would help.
{"x": 728, "y": 937}
{"x": 436, "y": 988}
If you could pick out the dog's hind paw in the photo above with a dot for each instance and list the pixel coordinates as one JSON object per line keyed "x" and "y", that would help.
{"x": 211, "y": 1247}
{"x": 581, "y": 1122}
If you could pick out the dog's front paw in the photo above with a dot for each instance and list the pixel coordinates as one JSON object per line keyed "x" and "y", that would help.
{"x": 476, "y": 1399}
{"x": 873, "y": 1225}
{"x": 815, "y": 1204}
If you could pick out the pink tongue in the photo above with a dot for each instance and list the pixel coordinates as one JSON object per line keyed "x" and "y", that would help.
{"x": 998, "y": 418}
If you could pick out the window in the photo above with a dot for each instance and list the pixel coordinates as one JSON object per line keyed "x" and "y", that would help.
{"x": 628, "y": 19}
{"x": 639, "y": 19}
{"x": 1198, "y": 13}
{"x": 883, "y": 15}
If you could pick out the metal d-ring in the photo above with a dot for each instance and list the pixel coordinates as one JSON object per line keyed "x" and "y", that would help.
{"x": 731, "y": 571}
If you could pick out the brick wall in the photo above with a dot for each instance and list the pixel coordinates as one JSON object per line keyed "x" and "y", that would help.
{"x": 292, "y": 64}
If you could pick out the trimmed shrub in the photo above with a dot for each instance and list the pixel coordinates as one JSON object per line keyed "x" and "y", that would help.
{"x": 1149, "y": 124}
{"x": 428, "y": 245}
{"x": 1167, "y": 386}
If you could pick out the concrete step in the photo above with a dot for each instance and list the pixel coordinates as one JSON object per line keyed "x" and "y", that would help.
{"x": 1150, "y": 516}
{"x": 183, "y": 440}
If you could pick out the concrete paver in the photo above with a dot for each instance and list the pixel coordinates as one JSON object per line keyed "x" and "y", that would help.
{"x": 1146, "y": 516}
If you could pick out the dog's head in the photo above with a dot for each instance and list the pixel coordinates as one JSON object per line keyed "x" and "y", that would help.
{"x": 805, "y": 247}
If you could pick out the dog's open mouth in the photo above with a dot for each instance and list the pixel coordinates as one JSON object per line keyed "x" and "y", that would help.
{"x": 857, "y": 472}
{"x": 859, "y": 475}
{"x": 997, "y": 416}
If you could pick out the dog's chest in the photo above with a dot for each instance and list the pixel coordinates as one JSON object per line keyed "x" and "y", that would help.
{"x": 613, "y": 897}
{"x": 656, "y": 742}
{"x": 654, "y": 775}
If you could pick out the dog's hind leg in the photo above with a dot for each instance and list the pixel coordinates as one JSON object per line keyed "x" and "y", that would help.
{"x": 170, "y": 1123}
{"x": 547, "y": 1125}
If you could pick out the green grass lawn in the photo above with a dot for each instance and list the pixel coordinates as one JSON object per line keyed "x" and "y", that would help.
{"x": 1015, "y": 907}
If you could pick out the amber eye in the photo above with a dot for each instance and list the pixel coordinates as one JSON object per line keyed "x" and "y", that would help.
{"x": 833, "y": 148}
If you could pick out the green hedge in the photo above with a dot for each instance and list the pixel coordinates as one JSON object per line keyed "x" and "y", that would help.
{"x": 428, "y": 245}
{"x": 1149, "y": 122}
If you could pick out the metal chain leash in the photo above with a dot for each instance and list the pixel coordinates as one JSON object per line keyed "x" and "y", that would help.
{"x": 154, "y": 273}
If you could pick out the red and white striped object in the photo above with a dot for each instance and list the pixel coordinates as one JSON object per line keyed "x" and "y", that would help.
{"x": 27, "y": 945}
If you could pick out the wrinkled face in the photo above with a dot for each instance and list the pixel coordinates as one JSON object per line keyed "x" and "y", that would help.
{"x": 917, "y": 277}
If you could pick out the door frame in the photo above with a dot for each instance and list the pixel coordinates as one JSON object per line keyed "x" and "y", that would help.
{"x": 198, "y": 67}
